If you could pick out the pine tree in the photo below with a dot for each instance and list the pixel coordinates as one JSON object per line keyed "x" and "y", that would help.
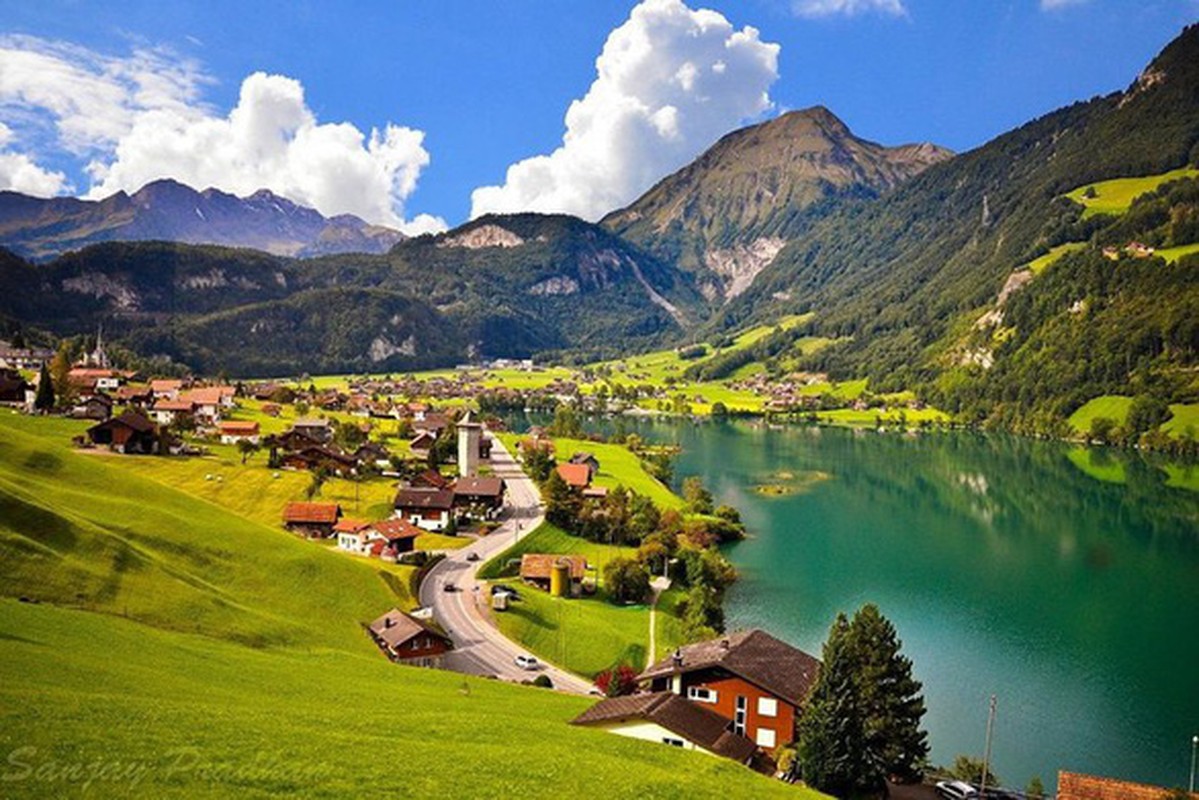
{"x": 891, "y": 697}
{"x": 562, "y": 504}
{"x": 44, "y": 399}
{"x": 833, "y": 749}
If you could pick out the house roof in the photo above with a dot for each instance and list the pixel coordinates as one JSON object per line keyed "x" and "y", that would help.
{"x": 311, "y": 423}
{"x": 129, "y": 419}
{"x": 431, "y": 478}
{"x": 436, "y": 499}
{"x": 233, "y": 426}
{"x": 699, "y": 725}
{"x": 312, "y": 513}
{"x": 395, "y": 627}
{"x": 783, "y": 670}
{"x": 1075, "y": 786}
{"x": 540, "y": 565}
{"x": 582, "y": 457}
{"x": 348, "y": 525}
{"x": 209, "y": 395}
{"x": 422, "y": 439}
{"x": 577, "y": 475}
{"x": 480, "y": 486}
{"x": 395, "y": 529}
{"x": 165, "y": 385}
{"x": 174, "y": 405}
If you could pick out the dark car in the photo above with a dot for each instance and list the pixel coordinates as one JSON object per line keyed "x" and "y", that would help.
{"x": 472, "y": 556}
{"x": 508, "y": 590}
{"x": 449, "y": 587}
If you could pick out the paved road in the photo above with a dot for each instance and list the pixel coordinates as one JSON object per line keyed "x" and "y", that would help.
{"x": 479, "y": 648}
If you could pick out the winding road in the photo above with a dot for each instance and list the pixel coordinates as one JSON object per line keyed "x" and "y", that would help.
{"x": 479, "y": 647}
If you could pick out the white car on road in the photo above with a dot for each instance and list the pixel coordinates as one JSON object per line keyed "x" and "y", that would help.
{"x": 527, "y": 662}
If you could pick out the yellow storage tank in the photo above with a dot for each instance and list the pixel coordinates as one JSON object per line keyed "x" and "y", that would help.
{"x": 560, "y": 579}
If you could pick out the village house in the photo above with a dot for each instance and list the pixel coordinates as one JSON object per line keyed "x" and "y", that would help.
{"x": 210, "y": 403}
{"x": 90, "y": 379}
{"x": 232, "y": 432}
{"x": 430, "y": 509}
{"x": 272, "y": 409}
{"x": 479, "y": 497}
{"x": 318, "y": 430}
{"x": 168, "y": 412}
{"x": 28, "y": 358}
{"x": 589, "y": 460}
{"x": 749, "y": 677}
{"x": 385, "y": 539}
{"x": 374, "y": 454}
{"x": 406, "y": 641}
{"x": 168, "y": 388}
{"x": 97, "y": 406}
{"x": 317, "y": 456}
{"x": 421, "y": 444}
{"x": 666, "y": 718}
{"x": 430, "y": 479}
{"x": 134, "y": 395}
{"x": 311, "y": 520}
{"x": 14, "y": 390}
{"x": 577, "y": 476}
{"x": 558, "y": 574}
{"x": 130, "y": 433}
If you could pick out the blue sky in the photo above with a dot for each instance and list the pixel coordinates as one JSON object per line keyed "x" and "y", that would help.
{"x": 488, "y": 84}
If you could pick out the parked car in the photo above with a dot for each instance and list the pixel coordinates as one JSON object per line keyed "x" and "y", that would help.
{"x": 449, "y": 587}
{"x": 508, "y": 590}
{"x": 527, "y": 662}
{"x": 472, "y": 556}
{"x": 956, "y": 790}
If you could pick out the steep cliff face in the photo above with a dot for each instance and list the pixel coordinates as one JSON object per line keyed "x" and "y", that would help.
{"x": 725, "y": 216}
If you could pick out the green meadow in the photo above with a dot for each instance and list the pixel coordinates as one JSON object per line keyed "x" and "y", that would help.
{"x": 1115, "y": 196}
{"x": 1040, "y": 264}
{"x": 174, "y": 647}
{"x": 1112, "y": 406}
{"x": 585, "y": 635}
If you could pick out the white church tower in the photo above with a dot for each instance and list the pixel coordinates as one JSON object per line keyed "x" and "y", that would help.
{"x": 469, "y": 435}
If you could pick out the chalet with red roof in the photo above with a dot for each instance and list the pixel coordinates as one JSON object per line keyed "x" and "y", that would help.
{"x": 537, "y": 569}
{"x": 577, "y": 476}
{"x": 232, "y": 432}
{"x": 749, "y": 677}
{"x": 313, "y": 520}
{"x": 1076, "y": 786}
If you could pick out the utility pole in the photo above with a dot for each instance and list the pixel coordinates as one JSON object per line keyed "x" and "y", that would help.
{"x": 987, "y": 751}
{"x": 1194, "y": 748}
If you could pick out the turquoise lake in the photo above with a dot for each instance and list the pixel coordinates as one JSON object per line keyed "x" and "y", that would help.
{"x": 1010, "y": 566}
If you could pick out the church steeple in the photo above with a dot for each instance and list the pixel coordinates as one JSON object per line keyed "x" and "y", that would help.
{"x": 99, "y": 356}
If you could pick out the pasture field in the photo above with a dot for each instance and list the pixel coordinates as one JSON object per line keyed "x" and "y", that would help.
{"x": 1111, "y": 406}
{"x": 1115, "y": 196}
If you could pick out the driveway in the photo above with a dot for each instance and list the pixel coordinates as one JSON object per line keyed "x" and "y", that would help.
{"x": 479, "y": 648}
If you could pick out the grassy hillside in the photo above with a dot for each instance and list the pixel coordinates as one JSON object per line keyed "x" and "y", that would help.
{"x": 160, "y": 714}
{"x": 215, "y": 655}
{"x": 1115, "y": 196}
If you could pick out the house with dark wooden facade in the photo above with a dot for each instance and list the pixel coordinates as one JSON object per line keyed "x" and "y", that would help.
{"x": 430, "y": 509}
{"x": 130, "y": 433}
{"x": 313, "y": 520}
{"x": 479, "y": 497}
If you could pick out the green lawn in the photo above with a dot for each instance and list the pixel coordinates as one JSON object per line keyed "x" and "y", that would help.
{"x": 869, "y": 417}
{"x": 1111, "y": 406}
{"x": 585, "y": 635}
{"x": 1115, "y": 196}
{"x": 217, "y": 656}
{"x": 1180, "y": 476}
{"x": 1040, "y": 264}
{"x": 1172, "y": 254}
{"x": 1182, "y": 417}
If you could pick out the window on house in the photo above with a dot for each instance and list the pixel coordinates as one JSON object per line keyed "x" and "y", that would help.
{"x": 739, "y": 715}
{"x": 768, "y": 707}
{"x": 701, "y": 693}
{"x": 765, "y": 737}
{"x": 672, "y": 742}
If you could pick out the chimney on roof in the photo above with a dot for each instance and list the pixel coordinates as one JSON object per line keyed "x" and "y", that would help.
{"x": 388, "y": 622}
{"x": 677, "y": 658}
{"x": 724, "y": 644}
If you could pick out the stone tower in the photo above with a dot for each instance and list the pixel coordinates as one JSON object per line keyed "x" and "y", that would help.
{"x": 469, "y": 434}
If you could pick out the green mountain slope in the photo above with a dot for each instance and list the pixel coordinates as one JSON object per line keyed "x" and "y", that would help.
{"x": 726, "y": 215}
{"x": 499, "y": 286}
{"x": 192, "y": 652}
{"x": 900, "y": 277}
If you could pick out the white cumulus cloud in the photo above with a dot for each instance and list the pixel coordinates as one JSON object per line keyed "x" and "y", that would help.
{"x": 670, "y": 80}
{"x": 19, "y": 173}
{"x": 141, "y": 118}
{"x": 848, "y": 8}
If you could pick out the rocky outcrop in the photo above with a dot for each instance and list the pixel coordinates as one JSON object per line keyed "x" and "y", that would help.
{"x": 737, "y": 266}
{"x": 482, "y": 236}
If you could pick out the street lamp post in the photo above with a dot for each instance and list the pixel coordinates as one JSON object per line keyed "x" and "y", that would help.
{"x": 1194, "y": 748}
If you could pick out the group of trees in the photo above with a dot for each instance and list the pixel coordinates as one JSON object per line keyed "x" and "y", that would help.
{"x": 862, "y": 722}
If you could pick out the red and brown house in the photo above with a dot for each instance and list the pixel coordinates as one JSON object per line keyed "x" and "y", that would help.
{"x": 314, "y": 520}
{"x": 749, "y": 677}
{"x": 430, "y": 509}
{"x": 406, "y": 641}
